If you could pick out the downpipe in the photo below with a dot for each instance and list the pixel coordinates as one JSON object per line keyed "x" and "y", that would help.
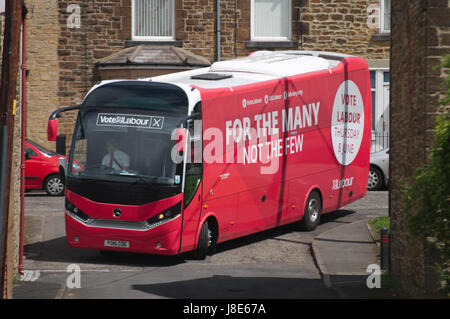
{"x": 23, "y": 136}
{"x": 3, "y": 160}
{"x": 218, "y": 30}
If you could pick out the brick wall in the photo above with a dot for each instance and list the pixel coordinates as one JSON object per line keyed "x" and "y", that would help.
{"x": 420, "y": 38}
{"x": 196, "y": 26}
{"x": 42, "y": 62}
{"x": 103, "y": 30}
{"x": 340, "y": 26}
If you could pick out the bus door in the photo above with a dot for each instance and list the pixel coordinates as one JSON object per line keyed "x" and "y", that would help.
{"x": 192, "y": 197}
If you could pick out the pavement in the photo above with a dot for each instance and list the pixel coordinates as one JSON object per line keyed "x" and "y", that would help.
{"x": 344, "y": 255}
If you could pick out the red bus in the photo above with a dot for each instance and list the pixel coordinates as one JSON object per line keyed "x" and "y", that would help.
{"x": 184, "y": 161}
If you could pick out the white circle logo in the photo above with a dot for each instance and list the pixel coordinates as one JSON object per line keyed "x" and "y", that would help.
{"x": 244, "y": 103}
{"x": 266, "y": 99}
{"x": 347, "y": 122}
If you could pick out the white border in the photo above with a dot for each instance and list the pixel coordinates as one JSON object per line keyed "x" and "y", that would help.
{"x": 133, "y": 126}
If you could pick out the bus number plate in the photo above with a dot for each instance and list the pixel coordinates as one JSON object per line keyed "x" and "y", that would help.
{"x": 117, "y": 243}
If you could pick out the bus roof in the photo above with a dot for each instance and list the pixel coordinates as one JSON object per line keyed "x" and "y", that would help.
{"x": 259, "y": 66}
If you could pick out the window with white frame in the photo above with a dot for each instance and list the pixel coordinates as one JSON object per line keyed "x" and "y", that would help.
{"x": 385, "y": 16}
{"x": 379, "y": 83}
{"x": 153, "y": 20}
{"x": 270, "y": 20}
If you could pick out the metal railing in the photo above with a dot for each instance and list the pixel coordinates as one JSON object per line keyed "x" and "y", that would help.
{"x": 380, "y": 142}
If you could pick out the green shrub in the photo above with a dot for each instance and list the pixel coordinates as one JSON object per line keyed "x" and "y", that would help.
{"x": 429, "y": 195}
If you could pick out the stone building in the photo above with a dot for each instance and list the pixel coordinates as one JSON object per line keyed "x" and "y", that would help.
{"x": 70, "y": 42}
{"x": 420, "y": 40}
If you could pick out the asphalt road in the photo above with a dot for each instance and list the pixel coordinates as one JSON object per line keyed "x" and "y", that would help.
{"x": 273, "y": 264}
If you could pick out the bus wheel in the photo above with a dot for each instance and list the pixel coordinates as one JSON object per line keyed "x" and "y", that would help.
{"x": 313, "y": 209}
{"x": 205, "y": 242}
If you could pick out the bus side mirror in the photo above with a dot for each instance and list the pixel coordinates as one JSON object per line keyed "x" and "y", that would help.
{"x": 52, "y": 126}
{"x": 180, "y": 139}
{"x": 52, "y": 130}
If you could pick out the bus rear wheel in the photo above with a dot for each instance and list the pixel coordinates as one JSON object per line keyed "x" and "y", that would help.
{"x": 313, "y": 209}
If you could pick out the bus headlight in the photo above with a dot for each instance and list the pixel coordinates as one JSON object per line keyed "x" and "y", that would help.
{"x": 76, "y": 212}
{"x": 165, "y": 216}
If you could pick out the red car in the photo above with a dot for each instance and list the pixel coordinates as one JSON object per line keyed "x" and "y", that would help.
{"x": 42, "y": 169}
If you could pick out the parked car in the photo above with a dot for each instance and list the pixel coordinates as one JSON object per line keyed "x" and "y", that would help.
{"x": 41, "y": 169}
{"x": 379, "y": 170}
{"x": 76, "y": 167}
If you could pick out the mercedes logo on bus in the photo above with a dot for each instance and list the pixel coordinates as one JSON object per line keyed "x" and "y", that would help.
{"x": 117, "y": 212}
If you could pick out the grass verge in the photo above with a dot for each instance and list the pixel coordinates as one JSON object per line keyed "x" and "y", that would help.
{"x": 378, "y": 223}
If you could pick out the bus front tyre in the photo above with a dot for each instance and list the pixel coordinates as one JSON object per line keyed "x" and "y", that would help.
{"x": 313, "y": 208}
{"x": 205, "y": 242}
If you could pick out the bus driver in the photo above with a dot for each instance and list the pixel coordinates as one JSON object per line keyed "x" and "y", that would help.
{"x": 115, "y": 158}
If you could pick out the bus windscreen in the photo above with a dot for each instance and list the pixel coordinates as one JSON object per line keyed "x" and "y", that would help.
{"x": 126, "y": 141}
